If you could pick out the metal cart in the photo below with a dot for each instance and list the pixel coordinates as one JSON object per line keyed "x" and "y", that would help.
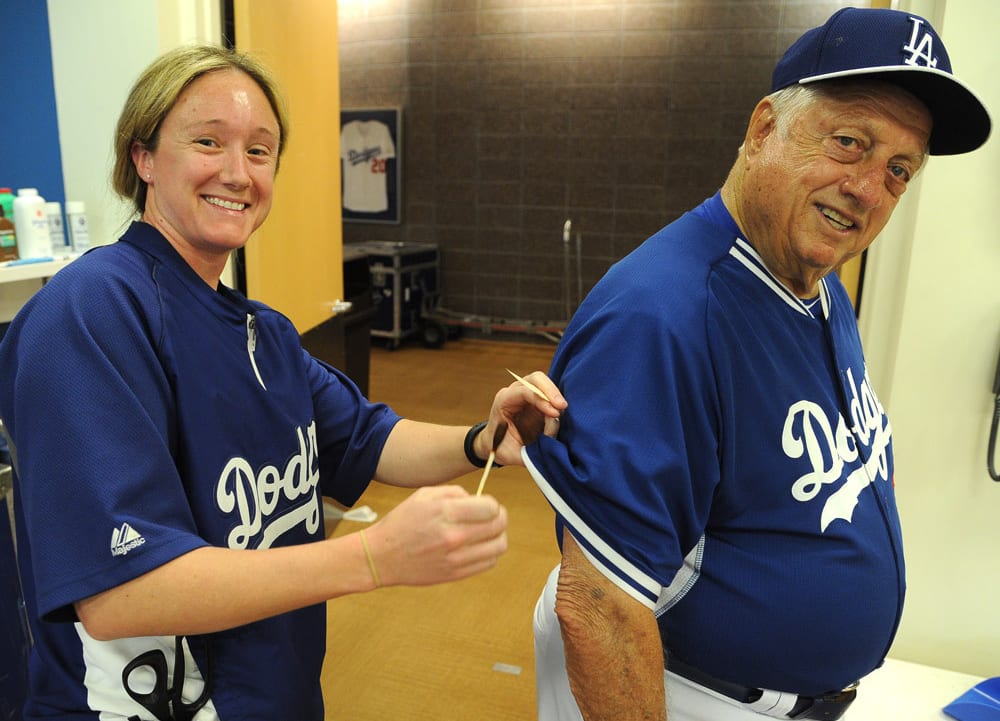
{"x": 436, "y": 319}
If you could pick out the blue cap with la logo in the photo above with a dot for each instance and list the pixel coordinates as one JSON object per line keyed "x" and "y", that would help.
{"x": 896, "y": 47}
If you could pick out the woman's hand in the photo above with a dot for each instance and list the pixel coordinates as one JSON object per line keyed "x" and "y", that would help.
{"x": 422, "y": 454}
{"x": 438, "y": 534}
{"x": 526, "y": 414}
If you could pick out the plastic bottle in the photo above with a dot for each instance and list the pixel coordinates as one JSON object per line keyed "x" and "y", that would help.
{"x": 7, "y": 203}
{"x": 8, "y": 238}
{"x": 57, "y": 233}
{"x": 31, "y": 224}
{"x": 76, "y": 220}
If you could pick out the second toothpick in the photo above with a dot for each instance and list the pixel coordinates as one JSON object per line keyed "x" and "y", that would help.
{"x": 498, "y": 436}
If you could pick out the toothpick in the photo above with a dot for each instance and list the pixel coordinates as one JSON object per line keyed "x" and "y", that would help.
{"x": 498, "y": 436}
{"x": 528, "y": 384}
{"x": 486, "y": 472}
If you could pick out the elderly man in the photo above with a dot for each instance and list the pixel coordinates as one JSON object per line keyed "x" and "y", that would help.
{"x": 723, "y": 478}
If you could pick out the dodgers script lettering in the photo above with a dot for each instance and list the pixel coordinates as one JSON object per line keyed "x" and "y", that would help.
{"x": 830, "y": 447}
{"x": 255, "y": 496}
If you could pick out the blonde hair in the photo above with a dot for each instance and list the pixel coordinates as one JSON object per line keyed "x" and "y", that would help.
{"x": 156, "y": 91}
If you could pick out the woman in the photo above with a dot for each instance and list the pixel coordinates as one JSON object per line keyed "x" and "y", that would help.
{"x": 163, "y": 426}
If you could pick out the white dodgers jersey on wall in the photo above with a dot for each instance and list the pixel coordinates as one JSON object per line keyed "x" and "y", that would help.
{"x": 365, "y": 146}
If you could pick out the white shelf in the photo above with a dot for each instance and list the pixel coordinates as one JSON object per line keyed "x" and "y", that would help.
{"x": 33, "y": 271}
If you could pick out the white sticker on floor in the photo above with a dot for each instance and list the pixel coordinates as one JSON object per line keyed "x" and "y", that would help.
{"x": 507, "y": 668}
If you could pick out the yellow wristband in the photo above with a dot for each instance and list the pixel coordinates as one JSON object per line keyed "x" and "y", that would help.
{"x": 371, "y": 561}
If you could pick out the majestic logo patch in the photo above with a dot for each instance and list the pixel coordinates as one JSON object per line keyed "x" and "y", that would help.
{"x": 124, "y": 539}
{"x": 920, "y": 48}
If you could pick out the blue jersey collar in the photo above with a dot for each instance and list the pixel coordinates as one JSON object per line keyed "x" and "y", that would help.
{"x": 715, "y": 211}
{"x": 151, "y": 241}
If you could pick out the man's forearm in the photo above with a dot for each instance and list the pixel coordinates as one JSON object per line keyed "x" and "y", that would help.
{"x": 614, "y": 655}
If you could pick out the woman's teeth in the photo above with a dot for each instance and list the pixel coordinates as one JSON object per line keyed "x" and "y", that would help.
{"x": 227, "y": 204}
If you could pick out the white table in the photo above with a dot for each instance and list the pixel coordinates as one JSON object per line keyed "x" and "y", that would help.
{"x": 14, "y": 293}
{"x": 904, "y": 691}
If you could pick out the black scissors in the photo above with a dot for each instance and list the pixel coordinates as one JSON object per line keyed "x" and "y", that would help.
{"x": 166, "y": 702}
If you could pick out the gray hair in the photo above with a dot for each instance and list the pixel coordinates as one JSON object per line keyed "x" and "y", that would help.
{"x": 790, "y": 103}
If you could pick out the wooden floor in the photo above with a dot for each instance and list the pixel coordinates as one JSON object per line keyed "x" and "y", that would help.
{"x": 432, "y": 654}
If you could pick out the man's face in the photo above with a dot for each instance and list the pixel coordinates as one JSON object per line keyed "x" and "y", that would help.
{"x": 817, "y": 191}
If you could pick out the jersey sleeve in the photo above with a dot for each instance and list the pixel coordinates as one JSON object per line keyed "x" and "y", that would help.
{"x": 351, "y": 432}
{"x": 89, "y": 413}
{"x": 633, "y": 469}
{"x": 388, "y": 147}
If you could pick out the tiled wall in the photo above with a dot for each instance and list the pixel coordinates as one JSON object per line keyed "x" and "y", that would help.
{"x": 521, "y": 114}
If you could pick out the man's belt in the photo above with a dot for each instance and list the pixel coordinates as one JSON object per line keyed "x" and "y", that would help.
{"x": 828, "y": 707}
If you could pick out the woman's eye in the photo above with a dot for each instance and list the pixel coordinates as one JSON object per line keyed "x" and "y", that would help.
{"x": 846, "y": 141}
{"x": 207, "y": 142}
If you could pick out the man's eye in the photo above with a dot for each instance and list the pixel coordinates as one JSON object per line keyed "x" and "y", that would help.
{"x": 846, "y": 141}
{"x": 207, "y": 142}
{"x": 899, "y": 171}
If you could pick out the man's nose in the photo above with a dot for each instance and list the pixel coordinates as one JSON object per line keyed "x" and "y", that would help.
{"x": 866, "y": 184}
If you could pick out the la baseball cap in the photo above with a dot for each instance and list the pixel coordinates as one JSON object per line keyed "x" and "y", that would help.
{"x": 896, "y": 47}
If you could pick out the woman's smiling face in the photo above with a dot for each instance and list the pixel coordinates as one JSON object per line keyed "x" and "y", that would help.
{"x": 211, "y": 174}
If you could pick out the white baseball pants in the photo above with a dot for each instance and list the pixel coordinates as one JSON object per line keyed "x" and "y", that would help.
{"x": 686, "y": 701}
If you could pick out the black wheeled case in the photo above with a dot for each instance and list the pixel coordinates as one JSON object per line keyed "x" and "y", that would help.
{"x": 404, "y": 285}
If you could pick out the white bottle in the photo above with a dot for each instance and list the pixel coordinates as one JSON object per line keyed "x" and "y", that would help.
{"x": 57, "y": 234}
{"x": 31, "y": 224}
{"x": 76, "y": 220}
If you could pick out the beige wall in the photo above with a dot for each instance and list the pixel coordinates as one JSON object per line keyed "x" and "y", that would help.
{"x": 294, "y": 262}
{"x": 931, "y": 328}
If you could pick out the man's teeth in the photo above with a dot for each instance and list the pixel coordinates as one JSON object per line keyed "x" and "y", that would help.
{"x": 227, "y": 204}
{"x": 837, "y": 218}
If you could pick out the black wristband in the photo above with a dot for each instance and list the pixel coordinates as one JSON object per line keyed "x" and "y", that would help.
{"x": 470, "y": 445}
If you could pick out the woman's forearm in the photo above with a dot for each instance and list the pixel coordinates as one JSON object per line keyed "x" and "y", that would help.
{"x": 211, "y": 589}
{"x": 423, "y": 454}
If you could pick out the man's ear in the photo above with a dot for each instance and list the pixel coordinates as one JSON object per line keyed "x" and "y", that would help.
{"x": 762, "y": 124}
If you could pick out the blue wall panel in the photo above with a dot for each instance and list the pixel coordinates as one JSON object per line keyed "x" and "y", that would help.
{"x": 29, "y": 129}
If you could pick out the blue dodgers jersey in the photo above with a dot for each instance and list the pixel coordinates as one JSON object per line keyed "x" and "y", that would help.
{"x": 151, "y": 415}
{"x": 725, "y": 461}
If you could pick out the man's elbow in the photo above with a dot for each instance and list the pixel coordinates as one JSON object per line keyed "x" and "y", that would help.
{"x": 585, "y": 611}
{"x": 588, "y": 605}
